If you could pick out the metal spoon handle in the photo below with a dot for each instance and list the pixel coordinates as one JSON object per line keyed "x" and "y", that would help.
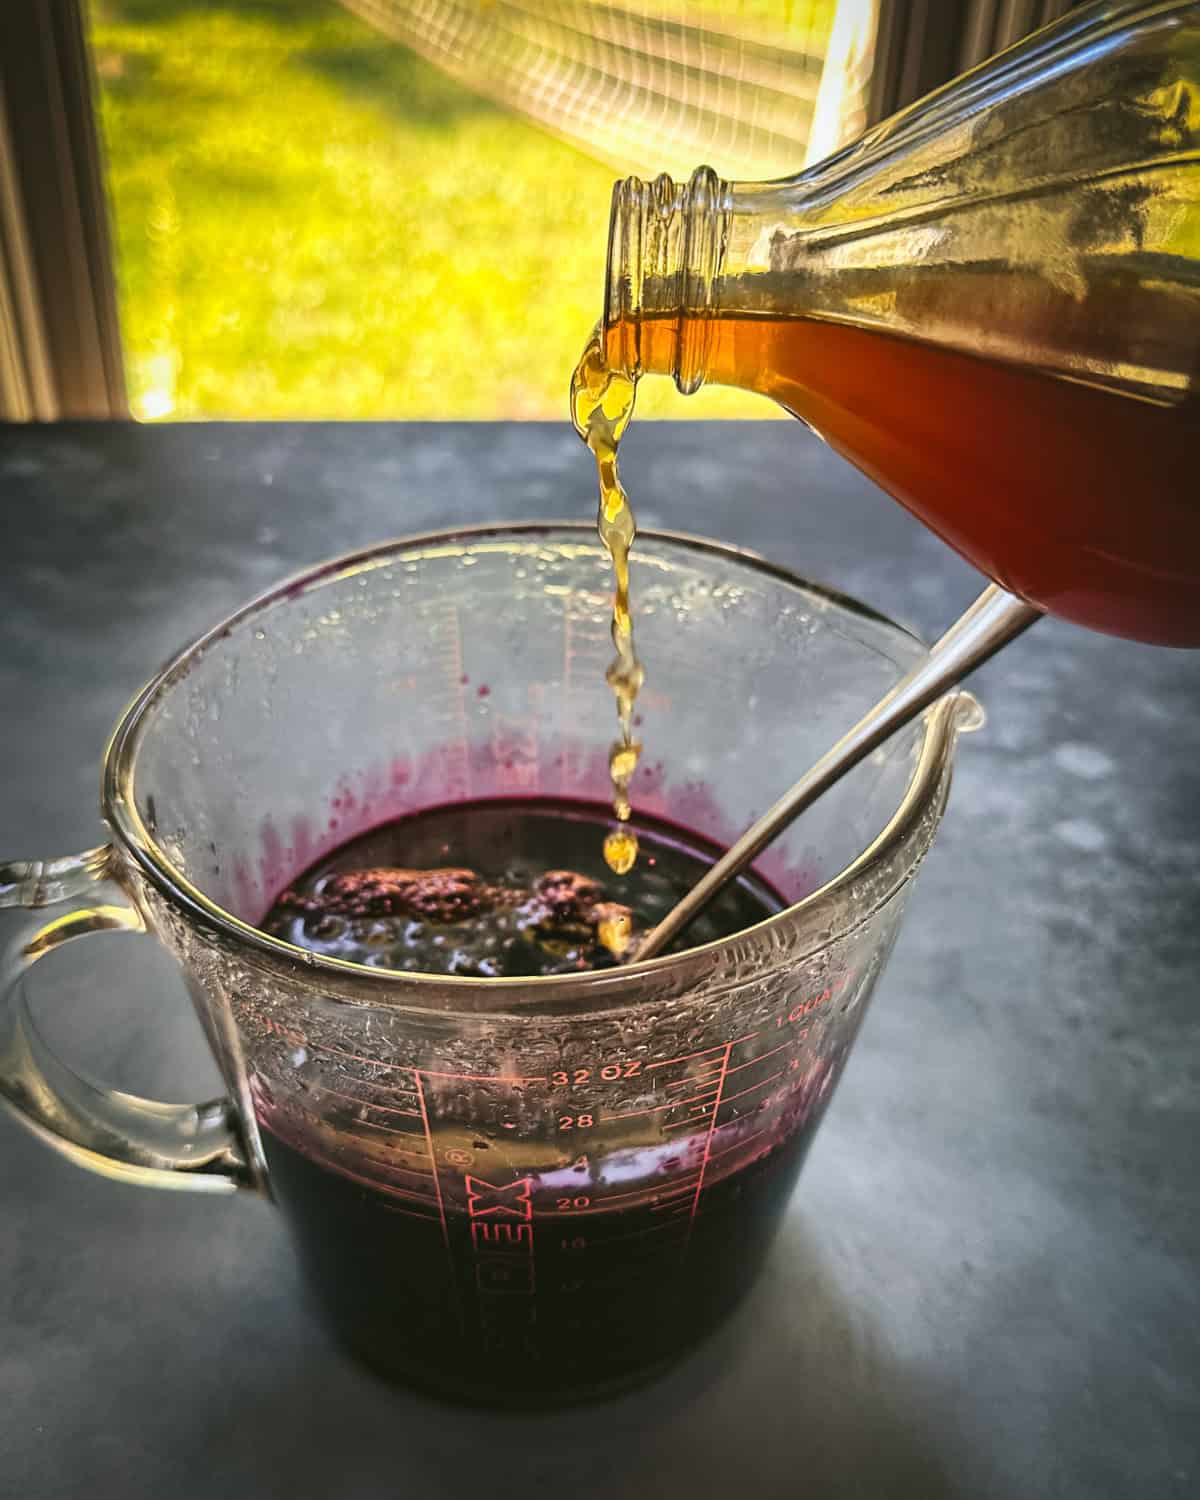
{"x": 994, "y": 619}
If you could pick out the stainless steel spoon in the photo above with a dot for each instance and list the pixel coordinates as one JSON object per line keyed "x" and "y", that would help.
{"x": 994, "y": 619}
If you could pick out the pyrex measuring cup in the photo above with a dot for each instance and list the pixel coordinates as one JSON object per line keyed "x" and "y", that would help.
{"x": 502, "y": 1189}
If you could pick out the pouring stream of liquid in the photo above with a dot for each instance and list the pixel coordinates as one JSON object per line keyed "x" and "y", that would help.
{"x": 601, "y": 406}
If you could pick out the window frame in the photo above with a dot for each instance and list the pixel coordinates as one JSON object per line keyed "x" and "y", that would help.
{"x": 60, "y": 341}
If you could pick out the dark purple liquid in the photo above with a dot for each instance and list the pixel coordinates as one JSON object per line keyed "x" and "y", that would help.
{"x": 584, "y": 1261}
{"x": 508, "y": 888}
{"x": 604, "y": 1300}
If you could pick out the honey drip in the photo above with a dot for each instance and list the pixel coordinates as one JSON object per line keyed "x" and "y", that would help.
{"x": 601, "y": 405}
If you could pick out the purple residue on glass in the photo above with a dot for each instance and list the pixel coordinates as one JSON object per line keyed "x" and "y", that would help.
{"x": 500, "y": 766}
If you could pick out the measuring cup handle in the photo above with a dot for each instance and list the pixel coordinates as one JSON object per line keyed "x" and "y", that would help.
{"x": 118, "y": 1135}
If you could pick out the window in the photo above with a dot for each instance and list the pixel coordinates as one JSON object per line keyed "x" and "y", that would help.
{"x": 390, "y": 208}
{"x": 330, "y": 210}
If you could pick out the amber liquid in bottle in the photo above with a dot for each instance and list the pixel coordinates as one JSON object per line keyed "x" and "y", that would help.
{"x": 1081, "y": 499}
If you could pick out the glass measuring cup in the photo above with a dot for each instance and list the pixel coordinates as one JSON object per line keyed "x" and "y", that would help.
{"x": 501, "y": 1189}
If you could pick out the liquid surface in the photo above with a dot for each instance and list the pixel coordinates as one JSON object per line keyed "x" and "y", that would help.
{"x": 503, "y": 888}
{"x": 1079, "y": 498}
{"x": 602, "y": 402}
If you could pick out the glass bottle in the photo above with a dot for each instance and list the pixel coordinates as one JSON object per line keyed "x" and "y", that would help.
{"x": 990, "y": 304}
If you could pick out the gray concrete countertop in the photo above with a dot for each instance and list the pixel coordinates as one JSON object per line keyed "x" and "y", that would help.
{"x": 987, "y": 1285}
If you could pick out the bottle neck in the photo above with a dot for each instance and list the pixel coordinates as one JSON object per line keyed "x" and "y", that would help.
{"x": 1029, "y": 213}
{"x": 666, "y": 248}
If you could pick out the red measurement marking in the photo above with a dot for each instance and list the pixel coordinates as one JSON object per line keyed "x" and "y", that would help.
{"x": 394, "y": 1208}
{"x": 392, "y": 1130}
{"x": 725, "y": 1150}
{"x": 273, "y": 1028}
{"x": 653, "y": 1110}
{"x": 684, "y": 1185}
{"x": 383, "y": 1087}
{"x": 513, "y": 1198}
{"x": 712, "y": 1125}
{"x": 372, "y": 1062}
{"x": 704, "y": 1092}
{"x": 725, "y": 1047}
{"x": 695, "y": 1119}
{"x": 507, "y": 1275}
{"x": 728, "y": 1099}
{"x": 636, "y": 1234}
{"x": 386, "y": 1164}
{"x": 389, "y": 1109}
{"x": 437, "y": 1186}
{"x": 400, "y": 1150}
{"x": 598, "y": 1205}
{"x": 409, "y": 1194}
{"x": 762, "y": 1056}
{"x": 672, "y": 1204}
{"x": 690, "y": 1079}
{"x": 503, "y": 1237}
{"x": 375, "y": 1062}
{"x": 481, "y": 1077}
{"x": 390, "y": 1166}
{"x": 374, "y": 1183}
